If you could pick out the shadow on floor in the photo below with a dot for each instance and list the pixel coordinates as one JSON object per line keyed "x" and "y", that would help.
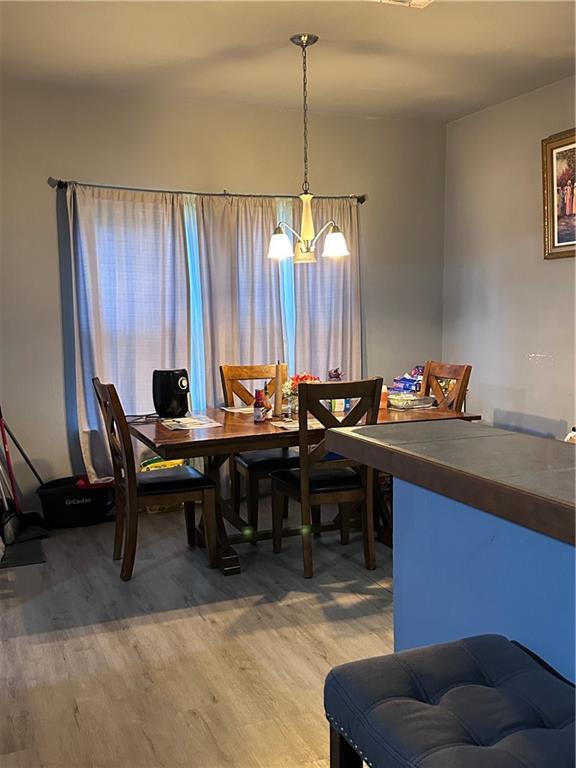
{"x": 79, "y": 585}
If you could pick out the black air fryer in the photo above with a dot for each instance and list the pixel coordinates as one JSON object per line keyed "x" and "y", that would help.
{"x": 170, "y": 392}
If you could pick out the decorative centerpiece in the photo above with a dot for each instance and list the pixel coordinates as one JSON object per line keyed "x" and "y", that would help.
{"x": 334, "y": 374}
{"x": 290, "y": 390}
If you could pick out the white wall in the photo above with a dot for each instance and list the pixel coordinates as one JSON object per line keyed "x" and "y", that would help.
{"x": 117, "y": 139}
{"x": 507, "y": 311}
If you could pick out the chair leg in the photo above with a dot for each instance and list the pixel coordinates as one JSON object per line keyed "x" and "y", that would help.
{"x": 383, "y": 509}
{"x": 316, "y": 519}
{"x": 120, "y": 505}
{"x": 130, "y": 542}
{"x": 341, "y": 753}
{"x": 344, "y": 520}
{"x": 190, "y": 517}
{"x": 368, "y": 522}
{"x": 307, "y": 541}
{"x": 253, "y": 487}
{"x": 279, "y": 501}
{"x": 210, "y": 525}
{"x": 235, "y": 486}
{"x": 285, "y": 510}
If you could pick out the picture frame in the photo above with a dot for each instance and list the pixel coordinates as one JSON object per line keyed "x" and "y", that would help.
{"x": 558, "y": 183}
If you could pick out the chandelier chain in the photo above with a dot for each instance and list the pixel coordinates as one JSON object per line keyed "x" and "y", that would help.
{"x": 305, "y": 184}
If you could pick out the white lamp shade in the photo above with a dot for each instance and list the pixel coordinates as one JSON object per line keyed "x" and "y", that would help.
{"x": 280, "y": 246}
{"x": 335, "y": 244}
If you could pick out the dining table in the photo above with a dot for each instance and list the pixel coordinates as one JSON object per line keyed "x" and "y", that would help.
{"x": 234, "y": 431}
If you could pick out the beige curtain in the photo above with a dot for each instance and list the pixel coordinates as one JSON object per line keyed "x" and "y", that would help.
{"x": 131, "y": 301}
{"x": 240, "y": 286}
{"x": 165, "y": 280}
{"x": 246, "y": 296}
{"x": 327, "y": 299}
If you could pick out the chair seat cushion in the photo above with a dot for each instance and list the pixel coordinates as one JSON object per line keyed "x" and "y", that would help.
{"x": 268, "y": 461}
{"x": 175, "y": 480}
{"x": 481, "y": 702}
{"x": 321, "y": 480}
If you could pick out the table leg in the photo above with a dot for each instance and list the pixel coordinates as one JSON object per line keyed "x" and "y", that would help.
{"x": 228, "y": 561}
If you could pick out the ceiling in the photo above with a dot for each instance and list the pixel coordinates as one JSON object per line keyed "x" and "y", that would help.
{"x": 373, "y": 59}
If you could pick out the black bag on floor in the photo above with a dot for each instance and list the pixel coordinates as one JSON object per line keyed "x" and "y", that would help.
{"x": 71, "y": 502}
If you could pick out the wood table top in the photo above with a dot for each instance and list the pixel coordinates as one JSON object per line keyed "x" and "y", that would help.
{"x": 240, "y": 433}
{"x": 524, "y": 479}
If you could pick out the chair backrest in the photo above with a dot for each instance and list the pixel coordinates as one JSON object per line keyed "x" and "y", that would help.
{"x": 119, "y": 440}
{"x": 447, "y": 383}
{"x": 311, "y": 400}
{"x": 233, "y": 375}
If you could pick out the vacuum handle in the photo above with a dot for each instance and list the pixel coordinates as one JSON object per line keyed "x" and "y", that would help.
{"x": 3, "y": 479}
{"x": 23, "y": 453}
{"x": 11, "y": 475}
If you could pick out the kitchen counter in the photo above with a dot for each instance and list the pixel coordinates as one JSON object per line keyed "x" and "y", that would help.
{"x": 527, "y": 480}
{"x": 483, "y": 532}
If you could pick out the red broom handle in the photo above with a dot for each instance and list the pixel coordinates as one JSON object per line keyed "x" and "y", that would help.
{"x": 11, "y": 475}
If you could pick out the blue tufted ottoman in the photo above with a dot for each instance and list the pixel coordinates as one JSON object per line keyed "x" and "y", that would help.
{"x": 481, "y": 702}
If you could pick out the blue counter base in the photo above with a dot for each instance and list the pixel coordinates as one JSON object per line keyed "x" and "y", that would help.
{"x": 459, "y": 571}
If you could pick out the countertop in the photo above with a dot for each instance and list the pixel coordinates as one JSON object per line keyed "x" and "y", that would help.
{"x": 527, "y": 480}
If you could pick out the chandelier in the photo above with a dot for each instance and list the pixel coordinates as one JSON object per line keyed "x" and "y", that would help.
{"x": 334, "y": 242}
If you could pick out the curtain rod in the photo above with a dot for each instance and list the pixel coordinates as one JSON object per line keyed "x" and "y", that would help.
{"x": 63, "y": 184}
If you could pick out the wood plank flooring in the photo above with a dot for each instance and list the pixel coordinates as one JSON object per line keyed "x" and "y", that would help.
{"x": 181, "y": 666}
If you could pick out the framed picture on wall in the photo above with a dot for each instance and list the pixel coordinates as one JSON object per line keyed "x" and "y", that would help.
{"x": 559, "y": 182}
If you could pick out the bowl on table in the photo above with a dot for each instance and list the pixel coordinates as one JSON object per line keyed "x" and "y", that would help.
{"x": 402, "y": 401}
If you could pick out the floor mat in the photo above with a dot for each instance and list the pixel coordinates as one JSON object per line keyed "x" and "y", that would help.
{"x": 23, "y": 553}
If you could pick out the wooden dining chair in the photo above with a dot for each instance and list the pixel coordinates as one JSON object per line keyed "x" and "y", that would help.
{"x": 254, "y": 466}
{"x": 326, "y": 478}
{"x": 136, "y": 490}
{"x": 448, "y": 383}
{"x": 233, "y": 377}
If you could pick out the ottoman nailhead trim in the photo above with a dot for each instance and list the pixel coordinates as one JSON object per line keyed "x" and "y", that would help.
{"x": 347, "y": 737}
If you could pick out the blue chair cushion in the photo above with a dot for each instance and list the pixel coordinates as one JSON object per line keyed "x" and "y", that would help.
{"x": 321, "y": 480}
{"x": 480, "y": 702}
{"x": 268, "y": 461}
{"x": 175, "y": 480}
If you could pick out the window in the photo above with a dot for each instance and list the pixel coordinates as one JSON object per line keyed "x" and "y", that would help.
{"x": 166, "y": 280}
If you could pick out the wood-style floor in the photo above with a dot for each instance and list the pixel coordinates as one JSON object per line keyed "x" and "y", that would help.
{"x": 181, "y": 666}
